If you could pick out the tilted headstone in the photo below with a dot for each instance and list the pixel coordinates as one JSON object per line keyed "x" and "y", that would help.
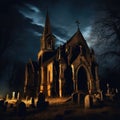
{"x": 88, "y": 103}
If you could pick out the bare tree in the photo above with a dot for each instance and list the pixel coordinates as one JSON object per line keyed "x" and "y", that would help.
{"x": 106, "y": 29}
{"x": 105, "y": 39}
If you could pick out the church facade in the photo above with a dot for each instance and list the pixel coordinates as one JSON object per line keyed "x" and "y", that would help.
{"x": 60, "y": 72}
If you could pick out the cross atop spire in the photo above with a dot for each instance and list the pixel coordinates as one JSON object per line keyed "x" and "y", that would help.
{"x": 77, "y": 23}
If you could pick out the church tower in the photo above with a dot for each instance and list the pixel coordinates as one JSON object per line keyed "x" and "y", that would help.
{"x": 46, "y": 52}
{"x": 47, "y": 40}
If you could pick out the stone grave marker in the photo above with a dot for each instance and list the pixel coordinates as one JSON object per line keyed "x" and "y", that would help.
{"x": 41, "y": 103}
{"x": 75, "y": 97}
{"x": 2, "y": 106}
{"x": 88, "y": 103}
{"x": 81, "y": 97}
{"x": 21, "y": 109}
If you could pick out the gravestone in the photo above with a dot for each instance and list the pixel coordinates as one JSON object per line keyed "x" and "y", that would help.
{"x": 32, "y": 102}
{"x": 21, "y": 109}
{"x": 18, "y": 96}
{"x": 41, "y": 103}
{"x": 7, "y": 96}
{"x": 2, "y": 106}
{"x": 75, "y": 97}
{"x": 88, "y": 102}
{"x": 13, "y": 95}
{"x": 41, "y": 97}
{"x": 117, "y": 95}
{"x": 81, "y": 97}
{"x": 101, "y": 95}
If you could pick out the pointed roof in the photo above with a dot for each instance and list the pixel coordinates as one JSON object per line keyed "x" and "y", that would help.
{"x": 76, "y": 39}
{"x": 75, "y": 43}
{"x": 47, "y": 28}
{"x": 47, "y": 33}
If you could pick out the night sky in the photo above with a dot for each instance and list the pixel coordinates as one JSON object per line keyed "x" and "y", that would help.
{"x": 21, "y": 26}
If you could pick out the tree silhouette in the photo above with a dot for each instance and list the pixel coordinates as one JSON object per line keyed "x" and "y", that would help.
{"x": 105, "y": 39}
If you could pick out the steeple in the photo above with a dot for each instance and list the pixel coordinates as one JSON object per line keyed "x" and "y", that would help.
{"x": 47, "y": 28}
{"x": 47, "y": 40}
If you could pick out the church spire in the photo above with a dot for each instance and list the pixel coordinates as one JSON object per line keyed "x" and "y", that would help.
{"x": 47, "y": 39}
{"x": 47, "y": 28}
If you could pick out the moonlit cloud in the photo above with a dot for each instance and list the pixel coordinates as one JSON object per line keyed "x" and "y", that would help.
{"x": 34, "y": 8}
{"x": 86, "y": 33}
{"x": 37, "y": 33}
{"x": 59, "y": 40}
{"x": 35, "y": 16}
{"x": 65, "y": 31}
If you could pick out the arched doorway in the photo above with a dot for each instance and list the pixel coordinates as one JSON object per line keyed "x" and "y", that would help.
{"x": 82, "y": 80}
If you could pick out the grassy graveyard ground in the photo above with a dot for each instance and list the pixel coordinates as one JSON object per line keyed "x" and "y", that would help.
{"x": 67, "y": 111}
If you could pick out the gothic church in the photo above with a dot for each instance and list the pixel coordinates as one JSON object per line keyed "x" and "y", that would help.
{"x": 62, "y": 71}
